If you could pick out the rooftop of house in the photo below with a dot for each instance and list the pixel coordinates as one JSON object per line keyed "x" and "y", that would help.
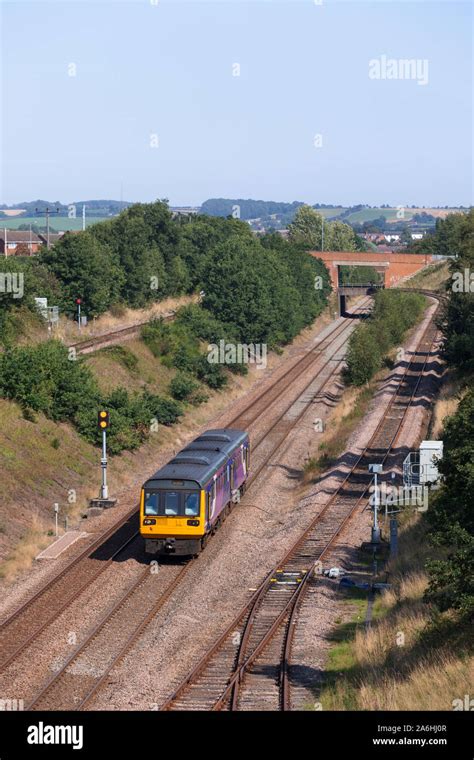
{"x": 18, "y": 236}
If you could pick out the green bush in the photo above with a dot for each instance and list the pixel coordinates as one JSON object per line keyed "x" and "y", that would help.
{"x": 364, "y": 358}
{"x": 183, "y": 386}
{"x": 394, "y": 312}
{"x": 43, "y": 379}
{"x": 211, "y": 374}
{"x": 122, "y": 355}
{"x": 203, "y": 325}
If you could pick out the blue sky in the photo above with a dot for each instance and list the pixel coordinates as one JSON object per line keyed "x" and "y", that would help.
{"x": 166, "y": 70}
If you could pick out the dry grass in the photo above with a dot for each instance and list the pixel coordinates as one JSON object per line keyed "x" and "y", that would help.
{"x": 431, "y": 277}
{"x": 111, "y": 371}
{"x": 450, "y": 395}
{"x": 26, "y": 550}
{"x": 341, "y": 423}
{"x": 411, "y": 658}
{"x": 124, "y": 317}
{"x": 429, "y": 686}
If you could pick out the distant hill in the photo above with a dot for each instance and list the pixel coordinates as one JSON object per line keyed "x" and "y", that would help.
{"x": 249, "y": 209}
{"x": 275, "y": 215}
{"x": 102, "y": 208}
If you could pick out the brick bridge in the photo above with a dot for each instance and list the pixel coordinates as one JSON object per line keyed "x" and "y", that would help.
{"x": 394, "y": 267}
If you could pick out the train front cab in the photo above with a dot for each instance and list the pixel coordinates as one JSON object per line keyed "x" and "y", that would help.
{"x": 177, "y": 516}
{"x": 173, "y": 517}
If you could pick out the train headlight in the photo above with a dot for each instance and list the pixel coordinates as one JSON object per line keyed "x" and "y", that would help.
{"x": 195, "y": 523}
{"x": 149, "y": 521}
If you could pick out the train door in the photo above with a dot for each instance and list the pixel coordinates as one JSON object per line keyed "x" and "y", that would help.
{"x": 211, "y": 500}
{"x": 247, "y": 460}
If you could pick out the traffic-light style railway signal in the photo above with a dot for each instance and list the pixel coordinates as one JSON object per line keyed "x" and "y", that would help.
{"x": 103, "y": 420}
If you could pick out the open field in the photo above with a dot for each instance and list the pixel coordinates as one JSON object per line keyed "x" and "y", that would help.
{"x": 57, "y": 223}
{"x": 390, "y": 214}
{"x": 329, "y": 213}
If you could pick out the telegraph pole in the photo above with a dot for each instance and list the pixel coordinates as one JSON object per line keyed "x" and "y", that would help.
{"x": 47, "y": 211}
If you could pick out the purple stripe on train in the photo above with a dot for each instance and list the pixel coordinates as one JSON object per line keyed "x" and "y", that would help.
{"x": 227, "y": 479}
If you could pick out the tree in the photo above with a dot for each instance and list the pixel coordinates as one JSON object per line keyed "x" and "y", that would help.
{"x": 405, "y": 236}
{"x": 87, "y": 269}
{"x": 306, "y": 228}
{"x": 451, "y": 515}
{"x": 144, "y": 276}
{"x": 457, "y": 235}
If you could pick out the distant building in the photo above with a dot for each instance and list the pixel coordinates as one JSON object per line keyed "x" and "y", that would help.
{"x": 184, "y": 210}
{"x": 392, "y": 237}
{"x": 53, "y": 237}
{"x": 19, "y": 242}
{"x": 373, "y": 237}
{"x": 417, "y": 236}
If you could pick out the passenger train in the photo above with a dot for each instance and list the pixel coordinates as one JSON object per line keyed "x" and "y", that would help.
{"x": 185, "y": 501}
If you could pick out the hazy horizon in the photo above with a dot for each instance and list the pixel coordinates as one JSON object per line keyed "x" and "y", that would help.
{"x": 265, "y": 100}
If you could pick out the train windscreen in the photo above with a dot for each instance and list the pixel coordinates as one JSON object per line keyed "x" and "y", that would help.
{"x": 170, "y": 503}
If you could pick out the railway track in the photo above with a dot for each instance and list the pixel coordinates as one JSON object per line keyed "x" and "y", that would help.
{"x": 52, "y": 599}
{"x": 30, "y": 620}
{"x": 249, "y": 667}
{"x": 267, "y": 397}
{"x": 86, "y": 669}
{"x": 77, "y": 681}
{"x": 111, "y": 338}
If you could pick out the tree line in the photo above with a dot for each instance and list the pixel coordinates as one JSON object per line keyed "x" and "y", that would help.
{"x": 451, "y": 514}
{"x": 252, "y": 291}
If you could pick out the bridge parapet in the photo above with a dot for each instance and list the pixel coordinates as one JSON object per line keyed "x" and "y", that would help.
{"x": 358, "y": 290}
{"x": 395, "y": 266}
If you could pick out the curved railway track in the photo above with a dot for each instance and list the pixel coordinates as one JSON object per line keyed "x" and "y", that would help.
{"x": 77, "y": 681}
{"x": 249, "y": 667}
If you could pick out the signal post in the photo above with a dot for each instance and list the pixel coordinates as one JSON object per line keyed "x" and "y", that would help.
{"x": 103, "y": 502}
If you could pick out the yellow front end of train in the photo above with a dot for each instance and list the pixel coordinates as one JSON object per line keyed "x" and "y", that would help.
{"x": 181, "y": 529}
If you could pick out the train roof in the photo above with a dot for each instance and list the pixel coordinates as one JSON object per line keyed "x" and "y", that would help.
{"x": 201, "y": 458}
